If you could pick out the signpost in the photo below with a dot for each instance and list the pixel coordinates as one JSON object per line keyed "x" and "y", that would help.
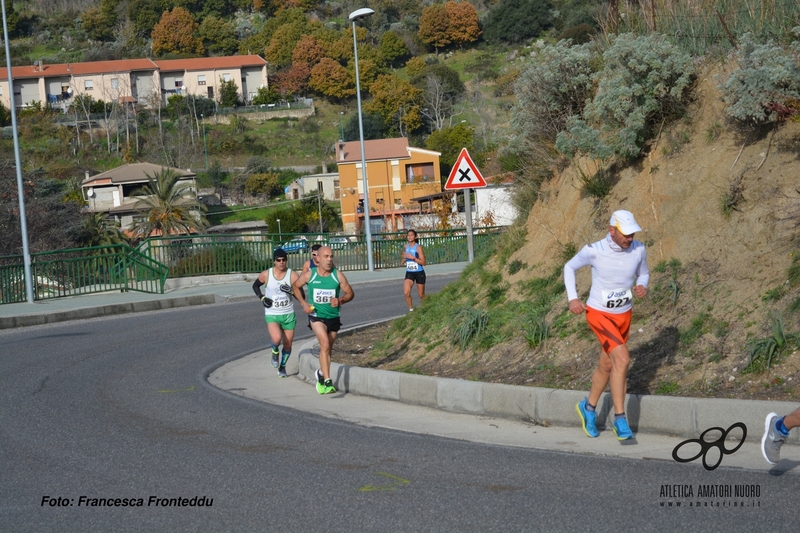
{"x": 465, "y": 175}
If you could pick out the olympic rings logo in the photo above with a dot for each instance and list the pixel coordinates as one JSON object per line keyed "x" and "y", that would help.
{"x": 706, "y": 446}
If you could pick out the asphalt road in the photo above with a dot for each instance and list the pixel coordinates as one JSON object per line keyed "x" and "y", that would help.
{"x": 120, "y": 408}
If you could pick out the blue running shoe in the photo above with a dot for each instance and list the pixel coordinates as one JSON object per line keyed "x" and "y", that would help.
{"x": 621, "y": 429}
{"x": 588, "y": 418}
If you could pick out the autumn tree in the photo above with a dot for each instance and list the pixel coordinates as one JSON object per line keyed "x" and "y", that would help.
{"x": 415, "y": 66}
{"x": 434, "y": 27}
{"x": 279, "y": 50}
{"x": 293, "y": 80}
{"x": 175, "y": 33}
{"x": 397, "y": 101}
{"x": 308, "y": 51}
{"x": 464, "y": 26}
{"x": 331, "y": 79}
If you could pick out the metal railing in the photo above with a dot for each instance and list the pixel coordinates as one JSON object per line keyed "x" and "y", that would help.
{"x": 82, "y": 271}
{"x": 146, "y": 268}
{"x": 198, "y": 255}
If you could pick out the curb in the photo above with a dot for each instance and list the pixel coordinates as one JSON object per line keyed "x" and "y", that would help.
{"x": 107, "y": 310}
{"x": 667, "y": 415}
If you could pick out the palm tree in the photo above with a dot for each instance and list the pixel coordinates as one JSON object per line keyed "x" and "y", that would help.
{"x": 168, "y": 206}
{"x": 97, "y": 230}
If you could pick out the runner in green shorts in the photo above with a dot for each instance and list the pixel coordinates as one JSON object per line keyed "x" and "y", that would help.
{"x": 278, "y": 307}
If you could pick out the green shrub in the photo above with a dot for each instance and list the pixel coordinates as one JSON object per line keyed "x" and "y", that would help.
{"x": 468, "y": 323}
{"x": 645, "y": 81}
{"x": 763, "y": 351}
{"x": 766, "y": 86}
{"x": 515, "y": 266}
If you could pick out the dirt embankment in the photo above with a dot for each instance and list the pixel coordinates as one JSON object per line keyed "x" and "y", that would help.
{"x": 721, "y": 216}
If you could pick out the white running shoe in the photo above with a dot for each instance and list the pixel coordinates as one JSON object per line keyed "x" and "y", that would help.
{"x": 772, "y": 440}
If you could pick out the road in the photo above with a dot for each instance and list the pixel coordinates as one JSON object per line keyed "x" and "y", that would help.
{"x": 120, "y": 408}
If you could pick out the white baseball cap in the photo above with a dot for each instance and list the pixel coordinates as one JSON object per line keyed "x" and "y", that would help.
{"x": 624, "y": 222}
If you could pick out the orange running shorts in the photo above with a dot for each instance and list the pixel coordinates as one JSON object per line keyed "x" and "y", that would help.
{"x": 611, "y": 330}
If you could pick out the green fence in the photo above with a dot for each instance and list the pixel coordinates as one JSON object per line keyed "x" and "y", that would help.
{"x": 199, "y": 255}
{"x": 146, "y": 269}
{"x": 81, "y": 271}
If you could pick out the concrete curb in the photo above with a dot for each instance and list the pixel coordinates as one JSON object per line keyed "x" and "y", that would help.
{"x": 107, "y": 310}
{"x": 668, "y": 415}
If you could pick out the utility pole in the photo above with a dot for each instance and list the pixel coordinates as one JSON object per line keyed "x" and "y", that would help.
{"x": 319, "y": 203}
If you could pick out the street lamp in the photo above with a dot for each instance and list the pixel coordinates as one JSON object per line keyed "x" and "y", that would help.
{"x": 279, "y": 229}
{"x": 23, "y": 225}
{"x": 341, "y": 123}
{"x": 205, "y": 149}
{"x": 354, "y": 16}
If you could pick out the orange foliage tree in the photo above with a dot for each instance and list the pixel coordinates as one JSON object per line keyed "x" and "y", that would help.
{"x": 175, "y": 33}
{"x": 463, "y": 19}
{"x": 331, "y": 79}
{"x": 434, "y": 27}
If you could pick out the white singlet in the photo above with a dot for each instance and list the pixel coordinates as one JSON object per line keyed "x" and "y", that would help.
{"x": 282, "y": 303}
{"x": 614, "y": 273}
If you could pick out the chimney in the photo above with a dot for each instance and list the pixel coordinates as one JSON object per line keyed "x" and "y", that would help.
{"x": 341, "y": 151}
{"x": 324, "y": 167}
{"x": 87, "y": 174}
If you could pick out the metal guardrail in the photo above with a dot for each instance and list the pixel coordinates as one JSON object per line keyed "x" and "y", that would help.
{"x": 198, "y": 255}
{"x": 81, "y": 271}
{"x": 146, "y": 268}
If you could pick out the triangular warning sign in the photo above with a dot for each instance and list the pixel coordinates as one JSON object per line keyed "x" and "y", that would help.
{"x": 465, "y": 175}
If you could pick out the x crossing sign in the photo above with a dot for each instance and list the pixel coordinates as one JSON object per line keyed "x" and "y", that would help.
{"x": 465, "y": 175}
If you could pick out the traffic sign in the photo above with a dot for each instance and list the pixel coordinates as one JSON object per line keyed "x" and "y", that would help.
{"x": 465, "y": 175}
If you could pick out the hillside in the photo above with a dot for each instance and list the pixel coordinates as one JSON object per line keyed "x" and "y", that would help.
{"x": 717, "y": 279}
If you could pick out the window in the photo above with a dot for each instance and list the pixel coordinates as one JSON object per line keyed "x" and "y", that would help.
{"x": 115, "y": 83}
{"x": 1, "y": 91}
{"x": 226, "y": 77}
{"x": 420, "y": 173}
{"x": 179, "y": 83}
{"x": 201, "y": 80}
{"x": 88, "y": 85}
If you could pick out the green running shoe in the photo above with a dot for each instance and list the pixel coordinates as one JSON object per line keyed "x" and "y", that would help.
{"x": 329, "y": 388}
{"x": 282, "y": 371}
{"x": 321, "y": 388}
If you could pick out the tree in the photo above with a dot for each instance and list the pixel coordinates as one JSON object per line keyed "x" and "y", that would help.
{"x": 434, "y": 27}
{"x": 175, "y": 33}
{"x": 98, "y": 230}
{"x": 292, "y": 81}
{"x": 263, "y": 183}
{"x": 228, "y": 93}
{"x": 99, "y": 23}
{"x": 374, "y": 127}
{"x": 441, "y": 88}
{"x": 464, "y": 24}
{"x": 307, "y": 51}
{"x": 218, "y": 36}
{"x": 449, "y": 142}
{"x": 145, "y": 14}
{"x": 392, "y": 48}
{"x": 513, "y": 21}
{"x": 168, "y": 207}
{"x": 330, "y": 79}
{"x": 397, "y": 102}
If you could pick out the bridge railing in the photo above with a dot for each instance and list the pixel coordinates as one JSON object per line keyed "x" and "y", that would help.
{"x": 81, "y": 271}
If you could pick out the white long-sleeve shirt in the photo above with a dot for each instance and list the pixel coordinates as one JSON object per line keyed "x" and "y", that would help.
{"x": 614, "y": 272}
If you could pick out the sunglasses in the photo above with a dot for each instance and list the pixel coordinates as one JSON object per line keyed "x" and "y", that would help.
{"x": 281, "y": 260}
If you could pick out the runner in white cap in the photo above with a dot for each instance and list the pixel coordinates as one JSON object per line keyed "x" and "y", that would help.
{"x": 619, "y": 271}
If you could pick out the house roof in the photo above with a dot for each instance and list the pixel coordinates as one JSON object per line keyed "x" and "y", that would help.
{"x": 132, "y": 65}
{"x": 211, "y": 63}
{"x": 134, "y": 173}
{"x": 79, "y": 69}
{"x": 377, "y": 150}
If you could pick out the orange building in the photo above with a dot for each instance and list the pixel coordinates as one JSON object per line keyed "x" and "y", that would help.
{"x": 396, "y": 174}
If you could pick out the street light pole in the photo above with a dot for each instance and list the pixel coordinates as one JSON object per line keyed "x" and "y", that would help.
{"x": 205, "y": 149}
{"x": 279, "y": 229}
{"x": 341, "y": 123}
{"x": 23, "y": 224}
{"x": 354, "y": 16}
